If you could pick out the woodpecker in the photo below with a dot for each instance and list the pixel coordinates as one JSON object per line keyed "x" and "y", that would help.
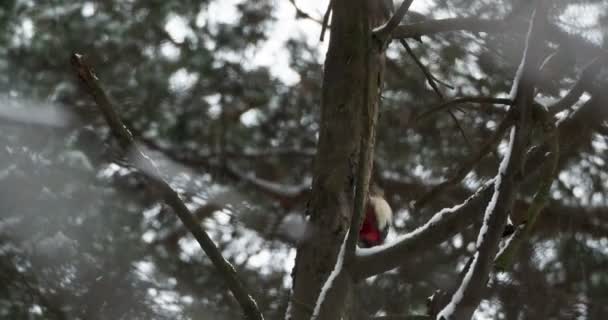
{"x": 378, "y": 218}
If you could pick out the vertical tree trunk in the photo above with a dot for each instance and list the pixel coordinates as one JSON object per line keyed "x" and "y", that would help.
{"x": 351, "y": 83}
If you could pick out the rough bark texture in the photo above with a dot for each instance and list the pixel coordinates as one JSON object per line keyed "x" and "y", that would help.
{"x": 353, "y": 59}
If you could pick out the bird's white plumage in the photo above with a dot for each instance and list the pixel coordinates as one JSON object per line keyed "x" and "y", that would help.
{"x": 384, "y": 213}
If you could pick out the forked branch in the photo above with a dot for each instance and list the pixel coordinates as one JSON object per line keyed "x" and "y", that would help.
{"x": 383, "y": 32}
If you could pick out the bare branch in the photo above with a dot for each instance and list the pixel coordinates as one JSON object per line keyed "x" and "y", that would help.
{"x": 460, "y": 129}
{"x": 585, "y": 49}
{"x": 169, "y": 196}
{"x": 430, "y": 27}
{"x": 432, "y": 82}
{"x": 383, "y": 32}
{"x": 326, "y": 16}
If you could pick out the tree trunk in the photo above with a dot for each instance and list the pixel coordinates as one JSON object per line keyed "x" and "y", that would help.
{"x": 351, "y": 83}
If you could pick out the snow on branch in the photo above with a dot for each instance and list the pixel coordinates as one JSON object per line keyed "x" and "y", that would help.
{"x": 502, "y": 171}
{"x": 436, "y": 219}
{"x": 442, "y": 226}
{"x": 330, "y": 280}
{"x": 490, "y": 216}
{"x": 466, "y": 298}
{"x": 507, "y": 253}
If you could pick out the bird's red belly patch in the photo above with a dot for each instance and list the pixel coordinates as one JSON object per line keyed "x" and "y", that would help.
{"x": 369, "y": 233}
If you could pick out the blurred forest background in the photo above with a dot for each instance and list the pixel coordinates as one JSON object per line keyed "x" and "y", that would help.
{"x": 230, "y": 113}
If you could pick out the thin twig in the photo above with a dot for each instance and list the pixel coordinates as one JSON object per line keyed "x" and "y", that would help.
{"x": 461, "y": 129}
{"x": 468, "y": 165}
{"x": 430, "y": 27}
{"x": 432, "y": 80}
{"x": 326, "y": 20}
{"x": 457, "y": 101}
{"x": 303, "y": 14}
{"x": 433, "y": 83}
{"x": 169, "y": 196}
{"x": 430, "y": 77}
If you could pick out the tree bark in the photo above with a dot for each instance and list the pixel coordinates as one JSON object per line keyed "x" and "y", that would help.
{"x": 351, "y": 84}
